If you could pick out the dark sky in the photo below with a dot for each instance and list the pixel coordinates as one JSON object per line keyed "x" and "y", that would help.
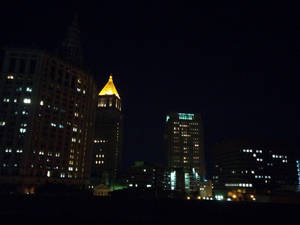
{"x": 235, "y": 63}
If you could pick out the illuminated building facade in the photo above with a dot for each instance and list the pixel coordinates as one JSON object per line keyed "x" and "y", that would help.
{"x": 184, "y": 149}
{"x": 47, "y": 112}
{"x": 253, "y": 166}
{"x": 107, "y": 146}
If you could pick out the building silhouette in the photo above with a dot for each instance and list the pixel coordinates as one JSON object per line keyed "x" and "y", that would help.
{"x": 184, "y": 151}
{"x": 253, "y": 166}
{"x": 107, "y": 146}
{"x": 47, "y": 112}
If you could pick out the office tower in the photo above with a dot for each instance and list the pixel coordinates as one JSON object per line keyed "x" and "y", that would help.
{"x": 108, "y": 136}
{"x": 253, "y": 166}
{"x": 47, "y": 112}
{"x": 184, "y": 149}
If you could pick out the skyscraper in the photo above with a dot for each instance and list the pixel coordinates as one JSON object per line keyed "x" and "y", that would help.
{"x": 47, "y": 112}
{"x": 184, "y": 149}
{"x": 108, "y": 136}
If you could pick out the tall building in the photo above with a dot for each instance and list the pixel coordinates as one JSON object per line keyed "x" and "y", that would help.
{"x": 47, "y": 112}
{"x": 253, "y": 166}
{"x": 108, "y": 136}
{"x": 184, "y": 149}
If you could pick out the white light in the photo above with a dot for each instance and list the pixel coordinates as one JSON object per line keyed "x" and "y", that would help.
{"x": 148, "y": 185}
{"x": 28, "y": 89}
{"x": 22, "y": 130}
{"x": 6, "y": 100}
{"x": 27, "y": 100}
{"x": 2, "y": 123}
{"x": 10, "y": 77}
{"x": 48, "y": 173}
{"x": 42, "y": 103}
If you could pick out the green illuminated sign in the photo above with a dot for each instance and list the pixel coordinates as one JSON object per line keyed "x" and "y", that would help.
{"x": 186, "y": 116}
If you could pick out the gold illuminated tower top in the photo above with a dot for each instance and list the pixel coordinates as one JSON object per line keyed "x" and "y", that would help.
{"x": 109, "y": 88}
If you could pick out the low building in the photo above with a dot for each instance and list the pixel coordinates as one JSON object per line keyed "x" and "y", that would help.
{"x": 253, "y": 167}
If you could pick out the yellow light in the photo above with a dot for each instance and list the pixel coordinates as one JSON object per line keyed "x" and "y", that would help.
{"x": 188, "y": 197}
{"x": 251, "y": 196}
{"x": 199, "y": 197}
{"x": 79, "y": 81}
{"x": 10, "y": 77}
{"x": 234, "y": 196}
{"x": 109, "y": 88}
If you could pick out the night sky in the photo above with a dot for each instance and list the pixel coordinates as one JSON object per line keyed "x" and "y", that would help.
{"x": 236, "y": 64}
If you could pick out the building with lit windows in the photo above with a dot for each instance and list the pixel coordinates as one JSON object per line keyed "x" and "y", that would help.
{"x": 47, "y": 112}
{"x": 145, "y": 175}
{"x": 184, "y": 151}
{"x": 107, "y": 146}
{"x": 253, "y": 166}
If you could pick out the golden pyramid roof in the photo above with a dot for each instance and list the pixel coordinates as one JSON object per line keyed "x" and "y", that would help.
{"x": 109, "y": 88}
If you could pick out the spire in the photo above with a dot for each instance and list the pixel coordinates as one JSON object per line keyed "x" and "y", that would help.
{"x": 109, "y": 88}
{"x": 71, "y": 47}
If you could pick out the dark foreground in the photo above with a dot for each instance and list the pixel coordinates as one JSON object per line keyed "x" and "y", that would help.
{"x": 62, "y": 210}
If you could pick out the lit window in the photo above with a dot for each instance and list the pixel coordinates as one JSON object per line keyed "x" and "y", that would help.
{"x": 6, "y": 100}
{"x": 78, "y": 90}
{"x": 29, "y": 89}
{"x": 41, "y": 153}
{"x": 53, "y": 125}
{"x": 57, "y": 154}
{"x": 10, "y": 77}
{"x": 2, "y": 123}
{"x": 22, "y": 130}
{"x": 19, "y": 150}
{"x": 148, "y": 185}
{"x": 74, "y": 129}
{"x": 70, "y": 168}
{"x": 27, "y": 100}
{"x": 73, "y": 139}
{"x": 62, "y": 175}
{"x": 61, "y": 126}
{"x": 15, "y": 100}
{"x": 48, "y": 173}
{"x": 83, "y": 92}
{"x": 76, "y": 114}
{"x": 42, "y": 103}
{"x": 8, "y": 150}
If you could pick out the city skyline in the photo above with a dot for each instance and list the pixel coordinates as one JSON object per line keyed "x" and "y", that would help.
{"x": 232, "y": 67}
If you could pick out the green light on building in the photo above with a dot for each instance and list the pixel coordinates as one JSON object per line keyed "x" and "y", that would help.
{"x": 168, "y": 117}
{"x": 186, "y": 116}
